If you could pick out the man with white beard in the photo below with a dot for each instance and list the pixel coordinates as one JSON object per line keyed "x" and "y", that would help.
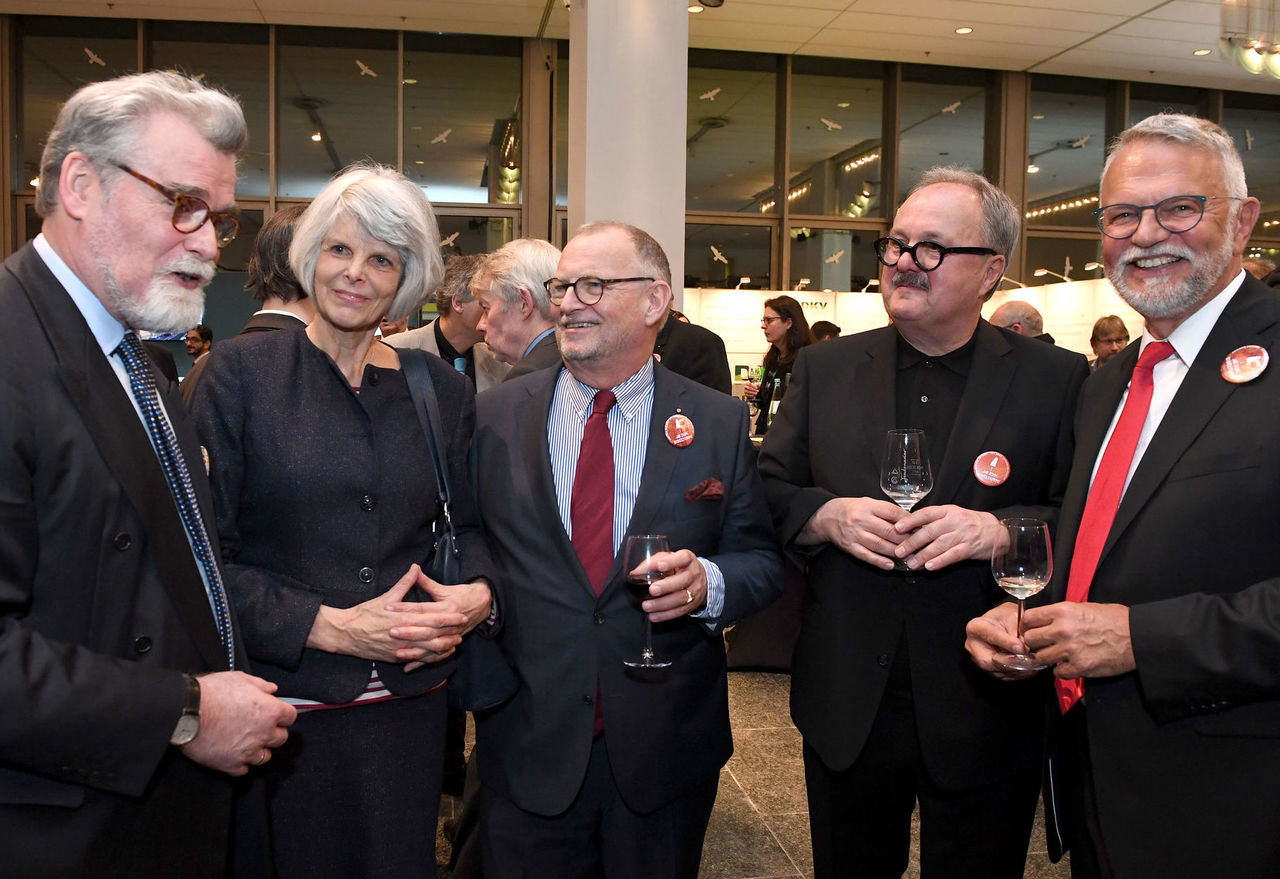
{"x": 1162, "y": 625}
{"x": 123, "y": 713}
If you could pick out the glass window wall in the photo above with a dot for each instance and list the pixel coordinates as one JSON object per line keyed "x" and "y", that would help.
{"x": 943, "y": 114}
{"x": 832, "y": 259}
{"x": 724, "y": 256}
{"x": 1066, "y": 135}
{"x": 730, "y": 132}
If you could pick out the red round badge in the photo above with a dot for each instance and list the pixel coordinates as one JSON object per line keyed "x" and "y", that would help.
{"x": 679, "y": 430}
{"x": 991, "y": 468}
{"x": 1245, "y": 364}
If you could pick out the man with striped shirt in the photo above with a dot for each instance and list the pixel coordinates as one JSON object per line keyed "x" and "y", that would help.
{"x": 593, "y": 768}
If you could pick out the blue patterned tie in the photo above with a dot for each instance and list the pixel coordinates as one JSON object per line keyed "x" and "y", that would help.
{"x": 179, "y": 477}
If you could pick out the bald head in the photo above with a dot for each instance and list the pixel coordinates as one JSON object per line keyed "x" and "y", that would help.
{"x": 1021, "y": 317}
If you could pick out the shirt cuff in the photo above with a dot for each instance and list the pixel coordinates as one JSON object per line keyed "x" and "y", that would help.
{"x": 710, "y": 612}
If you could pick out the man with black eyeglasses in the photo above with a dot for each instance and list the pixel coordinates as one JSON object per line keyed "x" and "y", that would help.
{"x": 891, "y": 711}
{"x": 1162, "y": 622}
{"x": 126, "y": 703}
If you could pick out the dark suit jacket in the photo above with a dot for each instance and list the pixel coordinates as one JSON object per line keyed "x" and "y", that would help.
{"x": 694, "y": 352}
{"x": 101, "y": 605}
{"x": 544, "y": 354}
{"x": 326, "y": 496}
{"x": 826, "y": 442}
{"x": 1186, "y": 750}
{"x": 188, "y": 386}
{"x": 163, "y": 360}
{"x": 262, "y": 323}
{"x": 667, "y": 736}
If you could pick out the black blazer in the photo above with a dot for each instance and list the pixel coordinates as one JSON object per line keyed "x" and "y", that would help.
{"x": 667, "y": 736}
{"x": 694, "y": 352}
{"x": 262, "y": 323}
{"x": 826, "y": 442}
{"x": 325, "y": 496}
{"x": 101, "y": 607}
{"x": 1186, "y": 749}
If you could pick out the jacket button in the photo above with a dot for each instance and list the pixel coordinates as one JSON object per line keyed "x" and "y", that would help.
{"x": 588, "y": 700}
{"x": 122, "y": 541}
{"x": 882, "y": 660}
{"x": 912, "y": 580}
{"x": 373, "y": 378}
{"x": 366, "y": 575}
{"x": 598, "y": 619}
{"x": 367, "y": 503}
{"x": 142, "y": 644}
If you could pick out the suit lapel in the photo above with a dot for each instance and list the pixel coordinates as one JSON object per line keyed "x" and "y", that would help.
{"x": 990, "y": 375}
{"x": 1249, "y": 319}
{"x": 109, "y": 417}
{"x": 872, "y": 390}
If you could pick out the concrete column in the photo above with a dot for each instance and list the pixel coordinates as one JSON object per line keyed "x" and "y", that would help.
{"x": 628, "y": 77}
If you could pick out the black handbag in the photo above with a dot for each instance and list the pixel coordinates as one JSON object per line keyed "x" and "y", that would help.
{"x": 482, "y": 678}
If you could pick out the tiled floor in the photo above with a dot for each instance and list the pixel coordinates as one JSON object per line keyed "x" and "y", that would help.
{"x": 760, "y": 827}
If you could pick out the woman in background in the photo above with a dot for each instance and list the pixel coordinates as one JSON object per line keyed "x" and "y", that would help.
{"x": 787, "y": 331}
{"x": 325, "y": 498}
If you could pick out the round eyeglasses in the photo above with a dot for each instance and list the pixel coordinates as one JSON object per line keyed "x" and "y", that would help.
{"x": 1177, "y": 213}
{"x": 191, "y": 212}
{"x": 928, "y": 255}
{"x": 588, "y": 290}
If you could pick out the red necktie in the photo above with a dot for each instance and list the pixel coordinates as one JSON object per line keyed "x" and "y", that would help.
{"x": 591, "y": 506}
{"x": 1104, "y": 495}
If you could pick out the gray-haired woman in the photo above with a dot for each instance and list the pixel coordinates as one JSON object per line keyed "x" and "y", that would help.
{"x": 325, "y": 499}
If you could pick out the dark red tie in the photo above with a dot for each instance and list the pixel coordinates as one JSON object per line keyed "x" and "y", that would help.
{"x": 1105, "y": 492}
{"x": 591, "y": 506}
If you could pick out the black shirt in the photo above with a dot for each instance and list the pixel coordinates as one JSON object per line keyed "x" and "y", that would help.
{"x": 450, "y": 354}
{"x": 928, "y": 392}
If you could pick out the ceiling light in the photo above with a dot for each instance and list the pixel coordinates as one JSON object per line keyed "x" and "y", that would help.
{"x": 317, "y": 137}
{"x": 964, "y": 30}
{"x": 409, "y": 81}
{"x": 843, "y": 105}
{"x": 1248, "y": 35}
{"x": 694, "y": 8}
{"x": 1201, "y": 52}
{"x": 1033, "y": 168}
{"x": 35, "y": 182}
{"x": 1038, "y": 116}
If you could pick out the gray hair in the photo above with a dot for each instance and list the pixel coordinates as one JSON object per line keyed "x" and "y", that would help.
{"x": 389, "y": 208}
{"x": 1001, "y": 219}
{"x": 458, "y": 272}
{"x": 649, "y": 253}
{"x": 104, "y": 120}
{"x": 523, "y": 264}
{"x": 1189, "y": 131}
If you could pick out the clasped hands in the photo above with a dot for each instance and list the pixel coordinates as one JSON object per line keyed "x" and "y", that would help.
{"x": 682, "y": 589}
{"x": 1077, "y": 639}
{"x": 881, "y": 533}
{"x": 390, "y": 629}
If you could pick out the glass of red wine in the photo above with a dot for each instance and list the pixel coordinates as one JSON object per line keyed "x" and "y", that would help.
{"x": 639, "y": 549}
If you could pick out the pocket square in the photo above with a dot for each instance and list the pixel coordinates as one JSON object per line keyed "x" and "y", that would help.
{"x": 706, "y": 490}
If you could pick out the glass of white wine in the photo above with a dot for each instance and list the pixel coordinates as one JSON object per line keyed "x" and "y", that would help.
{"x": 905, "y": 474}
{"x": 1022, "y": 569}
{"x": 639, "y": 549}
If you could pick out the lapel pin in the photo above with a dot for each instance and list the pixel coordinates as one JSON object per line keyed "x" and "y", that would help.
{"x": 991, "y": 468}
{"x": 679, "y": 430}
{"x": 1245, "y": 364}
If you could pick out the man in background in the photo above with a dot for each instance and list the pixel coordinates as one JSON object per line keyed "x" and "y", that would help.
{"x": 1021, "y": 318}
{"x": 517, "y": 318}
{"x": 284, "y": 305}
{"x": 694, "y": 352}
{"x": 455, "y": 335}
{"x": 824, "y": 330}
{"x": 1109, "y": 338}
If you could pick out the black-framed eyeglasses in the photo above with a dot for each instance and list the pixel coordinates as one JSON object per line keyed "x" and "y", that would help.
{"x": 589, "y": 290}
{"x": 928, "y": 255}
{"x": 1177, "y": 213}
{"x": 191, "y": 212}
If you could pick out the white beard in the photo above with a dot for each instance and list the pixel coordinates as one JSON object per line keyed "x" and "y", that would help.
{"x": 166, "y": 307}
{"x": 1164, "y": 299}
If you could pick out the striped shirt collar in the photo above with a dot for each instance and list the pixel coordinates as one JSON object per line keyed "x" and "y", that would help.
{"x": 631, "y": 393}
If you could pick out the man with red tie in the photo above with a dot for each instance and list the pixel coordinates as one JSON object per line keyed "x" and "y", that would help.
{"x": 592, "y": 769}
{"x": 1163, "y": 621}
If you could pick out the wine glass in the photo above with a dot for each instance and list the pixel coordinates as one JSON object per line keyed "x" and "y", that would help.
{"x": 905, "y": 474}
{"x": 1022, "y": 569}
{"x": 639, "y": 549}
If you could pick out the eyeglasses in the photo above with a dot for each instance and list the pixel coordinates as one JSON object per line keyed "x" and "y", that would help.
{"x": 191, "y": 212}
{"x": 928, "y": 255}
{"x": 766, "y": 320}
{"x": 589, "y": 290}
{"x": 1178, "y": 213}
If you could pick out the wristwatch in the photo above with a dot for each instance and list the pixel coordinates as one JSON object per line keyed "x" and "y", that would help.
{"x": 189, "y": 723}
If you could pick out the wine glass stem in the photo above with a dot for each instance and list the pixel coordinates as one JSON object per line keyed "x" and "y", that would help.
{"x": 648, "y": 638}
{"x": 1020, "y": 602}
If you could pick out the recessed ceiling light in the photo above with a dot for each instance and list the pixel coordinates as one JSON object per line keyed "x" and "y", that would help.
{"x": 1202, "y": 52}
{"x": 843, "y": 105}
{"x": 1038, "y": 116}
{"x": 409, "y": 81}
{"x": 316, "y": 137}
{"x": 694, "y": 8}
{"x": 1033, "y": 168}
{"x": 964, "y": 30}
{"x": 35, "y": 181}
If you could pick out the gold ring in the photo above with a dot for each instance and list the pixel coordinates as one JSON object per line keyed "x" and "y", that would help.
{"x": 262, "y": 757}
{"x": 688, "y": 597}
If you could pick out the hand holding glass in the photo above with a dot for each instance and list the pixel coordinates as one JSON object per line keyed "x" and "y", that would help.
{"x": 1022, "y": 569}
{"x": 639, "y": 549}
